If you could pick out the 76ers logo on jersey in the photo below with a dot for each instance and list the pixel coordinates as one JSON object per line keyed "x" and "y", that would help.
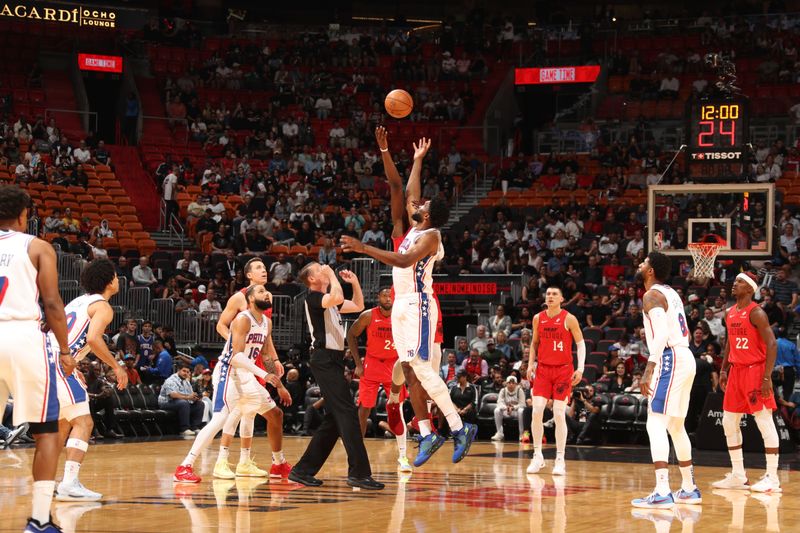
{"x": 71, "y": 320}
{"x": 3, "y": 287}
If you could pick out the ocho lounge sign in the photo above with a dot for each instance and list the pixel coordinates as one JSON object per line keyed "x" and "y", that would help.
{"x": 82, "y": 16}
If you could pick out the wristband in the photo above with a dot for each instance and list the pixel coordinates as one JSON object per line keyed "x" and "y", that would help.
{"x": 65, "y": 352}
{"x": 383, "y": 150}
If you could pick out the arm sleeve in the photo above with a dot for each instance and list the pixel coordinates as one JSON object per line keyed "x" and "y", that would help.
{"x": 242, "y": 361}
{"x": 658, "y": 319}
{"x": 581, "y": 355}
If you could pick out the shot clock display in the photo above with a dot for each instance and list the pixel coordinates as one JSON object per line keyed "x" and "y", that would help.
{"x": 718, "y": 130}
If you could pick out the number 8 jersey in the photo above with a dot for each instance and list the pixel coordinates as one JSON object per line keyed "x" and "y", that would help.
{"x": 678, "y": 331}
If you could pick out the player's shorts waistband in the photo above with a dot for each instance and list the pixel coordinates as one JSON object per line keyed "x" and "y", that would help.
{"x": 750, "y": 365}
{"x": 553, "y": 366}
{"x": 412, "y": 295}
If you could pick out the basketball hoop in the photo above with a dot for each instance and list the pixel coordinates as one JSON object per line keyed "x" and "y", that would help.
{"x": 704, "y": 255}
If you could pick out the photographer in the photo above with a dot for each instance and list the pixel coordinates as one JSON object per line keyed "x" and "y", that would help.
{"x": 583, "y": 416}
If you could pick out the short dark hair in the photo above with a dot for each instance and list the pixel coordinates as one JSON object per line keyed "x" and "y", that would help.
{"x": 146, "y": 322}
{"x": 305, "y": 272}
{"x": 249, "y": 292}
{"x": 249, "y": 264}
{"x": 439, "y": 212}
{"x": 98, "y": 275}
{"x": 183, "y": 365}
{"x": 661, "y": 264}
{"x": 13, "y": 202}
{"x": 559, "y": 289}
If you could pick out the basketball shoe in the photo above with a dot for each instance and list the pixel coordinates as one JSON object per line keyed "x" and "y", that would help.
{"x": 654, "y": 501}
{"x": 35, "y": 527}
{"x": 427, "y": 447}
{"x": 280, "y": 470}
{"x": 462, "y": 440}
{"x": 560, "y": 467}
{"x": 403, "y": 465}
{"x": 733, "y": 482}
{"x": 74, "y": 491}
{"x": 537, "y": 463}
{"x": 688, "y": 498}
{"x": 525, "y": 438}
{"x": 222, "y": 470}
{"x": 250, "y": 469}
{"x": 767, "y": 484}
{"x": 185, "y": 474}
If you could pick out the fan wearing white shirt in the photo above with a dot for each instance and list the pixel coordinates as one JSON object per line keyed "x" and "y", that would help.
{"x": 210, "y": 306}
{"x": 188, "y": 264}
{"x": 635, "y": 244}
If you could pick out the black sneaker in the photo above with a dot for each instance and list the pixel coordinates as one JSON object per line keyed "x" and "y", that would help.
{"x": 366, "y": 483}
{"x": 304, "y": 479}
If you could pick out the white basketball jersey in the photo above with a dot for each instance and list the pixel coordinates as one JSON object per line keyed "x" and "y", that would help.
{"x": 78, "y": 320}
{"x": 19, "y": 294}
{"x": 419, "y": 277}
{"x": 253, "y": 343}
{"x": 678, "y": 331}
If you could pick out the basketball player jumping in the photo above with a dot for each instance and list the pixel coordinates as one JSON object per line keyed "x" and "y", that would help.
{"x": 249, "y": 339}
{"x": 88, "y": 316}
{"x": 27, "y": 361}
{"x": 376, "y": 368}
{"x": 415, "y": 313}
{"x": 256, "y": 272}
{"x": 401, "y": 224}
{"x": 667, "y": 381}
{"x": 550, "y": 369}
{"x": 745, "y": 377}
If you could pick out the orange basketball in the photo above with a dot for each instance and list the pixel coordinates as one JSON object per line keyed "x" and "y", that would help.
{"x": 398, "y": 103}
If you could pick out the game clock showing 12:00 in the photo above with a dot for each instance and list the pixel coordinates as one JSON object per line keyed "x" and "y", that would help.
{"x": 718, "y": 130}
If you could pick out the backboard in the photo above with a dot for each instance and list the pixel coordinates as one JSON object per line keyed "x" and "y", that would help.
{"x": 740, "y": 216}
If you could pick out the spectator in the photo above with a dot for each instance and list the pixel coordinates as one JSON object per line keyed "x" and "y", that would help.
{"x": 475, "y": 366}
{"x": 210, "y": 308}
{"x": 143, "y": 275}
{"x": 82, "y": 154}
{"x": 698, "y": 344}
{"x": 281, "y": 270}
{"x": 133, "y": 374}
{"x": 479, "y": 341}
{"x": 789, "y": 359}
{"x": 170, "y": 192}
{"x": 101, "y": 399}
{"x": 635, "y": 244}
{"x": 462, "y": 350}
{"x": 500, "y": 322}
{"x": 492, "y": 355}
{"x": 449, "y": 368}
{"x": 785, "y": 291}
{"x": 714, "y": 323}
{"x": 619, "y": 380}
{"x": 54, "y": 222}
{"x": 669, "y": 87}
{"x": 323, "y": 107}
{"x": 583, "y": 416}
{"x": 503, "y": 346}
{"x": 789, "y": 238}
{"x": 187, "y": 264}
{"x": 204, "y": 388}
{"x": 69, "y": 223}
{"x": 493, "y": 264}
{"x": 123, "y": 270}
{"x": 464, "y": 396}
{"x": 374, "y": 236}
{"x": 327, "y": 254}
{"x": 510, "y": 404}
{"x": 187, "y": 303}
{"x": 599, "y": 315}
{"x": 177, "y": 396}
{"x": 127, "y": 342}
{"x": 162, "y": 369}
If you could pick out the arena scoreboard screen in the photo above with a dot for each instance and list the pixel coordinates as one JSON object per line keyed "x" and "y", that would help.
{"x": 718, "y": 129}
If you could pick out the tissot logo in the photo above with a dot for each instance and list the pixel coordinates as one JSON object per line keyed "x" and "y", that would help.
{"x": 712, "y": 156}
{"x": 82, "y": 16}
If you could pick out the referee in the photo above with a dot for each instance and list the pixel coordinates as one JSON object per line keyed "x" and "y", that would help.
{"x": 324, "y": 303}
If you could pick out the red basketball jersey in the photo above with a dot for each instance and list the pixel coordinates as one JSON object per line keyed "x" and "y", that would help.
{"x": 745, "y": 345}
{"x": 555, "y": 340}
{"x": 380, "y": 344}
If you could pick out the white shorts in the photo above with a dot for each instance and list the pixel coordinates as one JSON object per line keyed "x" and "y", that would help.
{"x": 28, "y": 372}
{"x": 414, "y": 318}
{"x": 672, "y": 381}
{"x": 73, "y": 399}
{"x": 239, "y": 388}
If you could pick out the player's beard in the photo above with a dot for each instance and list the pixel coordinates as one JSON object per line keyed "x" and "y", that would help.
{"x": 416, "y": 216}
{"x": 638, "y": 277}
{"x": 263, "y": 304}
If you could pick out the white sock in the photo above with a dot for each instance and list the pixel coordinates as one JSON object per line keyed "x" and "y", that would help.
{"x": 42, "y": 500}
{"x": 662, "y": 481}
{"x": 394, "y": 397}
{"x": 71, "y": 469}
{"x": 278, "y": 458}
{"x": 454, "y": 421}
{"x": 772, "y": 465}
{"x": 425, "y": 428}
{"x": 190, "y": 458}
{"x": 224, "y": 452}
{"x": 687, "y": 478}
{"x": 429, "y": 404}
{"x": 401, "y": 439}
{"x": 244, "y": 455}
{"x": 737, "y": 461}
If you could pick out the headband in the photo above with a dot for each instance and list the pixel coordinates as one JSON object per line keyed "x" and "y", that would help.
{"x": 747, "y": 279}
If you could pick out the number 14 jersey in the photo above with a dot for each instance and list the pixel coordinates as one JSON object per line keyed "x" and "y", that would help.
{"x": 555, "y": 340}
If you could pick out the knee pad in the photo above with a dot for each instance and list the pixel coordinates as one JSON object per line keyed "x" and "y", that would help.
{"x": 41, "y": 428}
{"x": 730, "y": 425}
{"x": 77, "y": 444}
{"x": 229, "y": 428}
{"x": 246, "y": 427}
{"x": 766, "y": 425}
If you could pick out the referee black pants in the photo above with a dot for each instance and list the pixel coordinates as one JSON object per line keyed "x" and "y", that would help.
{"x": 341, "y": 419}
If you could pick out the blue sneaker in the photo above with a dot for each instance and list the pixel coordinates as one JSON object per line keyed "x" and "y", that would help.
{"x": 462, "y": 440}
{"x": 427, "y": 447}
{"x": 35, "y": 527}
{"x": 654, "y": 501}
{"x": 689, "y": 498}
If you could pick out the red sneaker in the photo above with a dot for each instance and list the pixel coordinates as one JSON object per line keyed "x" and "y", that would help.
{"x": 185, "y": 474}
{"x": 280, "y": 471}
{"x": 393, "y": 418}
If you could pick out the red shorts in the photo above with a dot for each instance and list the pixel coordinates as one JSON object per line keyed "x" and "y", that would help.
{"x": 368, "y": 391}
{"x": 553, "y": 382}
{"x": 438, "y": 337}
{"x": 743, "y": 394}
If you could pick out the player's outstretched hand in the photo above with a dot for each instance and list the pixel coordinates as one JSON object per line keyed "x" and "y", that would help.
{"x": 286, "y": 398}
{"x": 122, "y": 377}
{"x": 351, "y": 244}
{"x": 348, "y": 276}
{"x": 422, "y": 148}
{"x": 382, "y": 136}
{"x": 576, "y": 377}
{"x": 531, "y": 372}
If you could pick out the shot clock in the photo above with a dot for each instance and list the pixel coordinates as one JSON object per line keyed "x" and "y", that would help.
{"x": 718, "y": 129}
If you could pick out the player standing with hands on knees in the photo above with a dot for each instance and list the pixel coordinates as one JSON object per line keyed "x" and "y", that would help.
{"x": 27, "y": 359}
{"x": 667, "y": 381}
{"x": 746, "y": 378}
{"x": 550, "y": 369}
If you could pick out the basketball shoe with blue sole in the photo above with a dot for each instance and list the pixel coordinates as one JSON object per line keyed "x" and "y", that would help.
{"x": 462, "y": 440}
{"x": 654, "y": 501}
{"x": 688, "y": 498}
{"x": 427, "y": 447}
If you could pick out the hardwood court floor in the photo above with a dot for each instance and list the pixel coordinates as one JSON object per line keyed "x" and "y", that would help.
{"x": 488, "y": 491}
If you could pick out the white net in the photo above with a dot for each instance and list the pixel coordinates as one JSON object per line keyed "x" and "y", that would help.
{"x": 704, "y": 254}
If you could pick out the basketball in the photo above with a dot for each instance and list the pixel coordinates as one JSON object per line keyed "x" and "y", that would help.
{"x": 399, "y": 103}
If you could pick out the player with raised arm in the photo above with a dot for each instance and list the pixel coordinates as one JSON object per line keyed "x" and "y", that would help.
{"x": 376, "y": 368}
{"x": 415, "y": 312}
{"x": 667, "y": 381}
{"x": 256, "y": 273}
{"x": 250, "y": 338}
{"x": 748, "y": 358}
{"x": 88, "y": 316}
{"x": 27, "y": 361}
{"x": 550, "y": 369}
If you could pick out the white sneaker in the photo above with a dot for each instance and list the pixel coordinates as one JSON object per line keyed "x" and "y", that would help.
{"x": 75, "y": 492}
{"x": 560, "y": 468}
{"x": 188, "y": 433}
{"x": 498, "y": 437}
{"x": 537, "y": 463}
{"x": 403, "y": 465}
{"x": 732, "y": 481}
{"x": 767, "y": 484}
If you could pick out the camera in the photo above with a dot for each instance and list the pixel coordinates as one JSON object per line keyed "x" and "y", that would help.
{"x": 578, "y": 392}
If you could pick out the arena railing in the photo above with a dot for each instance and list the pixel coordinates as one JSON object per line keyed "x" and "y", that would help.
{"x": 369, "y": 274}
{"x": 70, "y": 266}
{"x": 186, "y": 325}
{"x": 139, "y": 302}
{"x": 162, "y": 311}
{"x": 121, "y": 298}
{"x": 68, "y": 289}
{"x": 207, "y": 330}
{"x": 119, "y": 318}
{"x": 284, "y": 321}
